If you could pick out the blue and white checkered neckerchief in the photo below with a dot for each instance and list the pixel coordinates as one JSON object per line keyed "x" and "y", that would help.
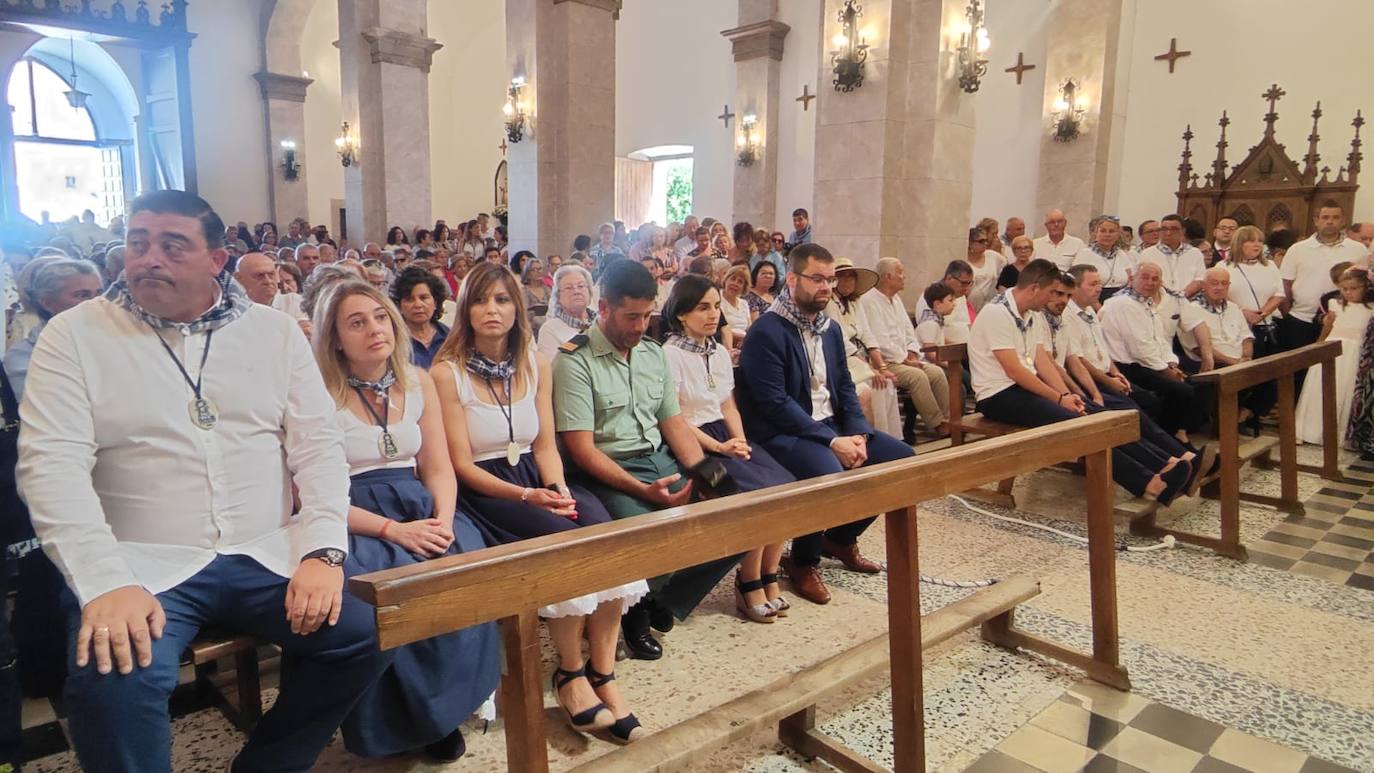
{"x": 233, "y": 303}
{"x": 784, "y": 307}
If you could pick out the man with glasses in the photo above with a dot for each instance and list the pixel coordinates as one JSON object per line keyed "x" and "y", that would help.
{"x": 1181, "y": 263}
{"x": 1221, "y": 239}
{"x": 924, "y": 382}
{"x": 798, "y": 401}
{"x": 959, "y": 278}
{"x": 1056, "y": 245}
{"x": 1149, "y": 235}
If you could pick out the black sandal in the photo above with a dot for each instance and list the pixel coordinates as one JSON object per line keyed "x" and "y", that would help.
{"x": 625, "y": 730}
{"x": 582, "y": 721}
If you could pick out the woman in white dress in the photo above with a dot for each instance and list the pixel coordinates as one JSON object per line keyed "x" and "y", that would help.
{"x": 1256, "y": 287}
{"x": 570, "y": 309}
{"x": 1349, "y": 315}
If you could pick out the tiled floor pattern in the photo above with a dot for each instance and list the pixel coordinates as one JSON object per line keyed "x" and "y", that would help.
{"x": 1091, "y": 728}
{"x": 1333, "y": 539}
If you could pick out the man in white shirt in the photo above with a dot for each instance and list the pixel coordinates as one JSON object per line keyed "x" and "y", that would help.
{"x": 1213, "y": 334}
{"x": 684, "y": 246}
{"x": 924, "y": 382}
{"x": 959, "y": 278}
{"x": 307, "y": 258}
{"x": 1055, "y": 245}
{"x": 1114, "y": 265}
{"x": 1306, "y": 272}
{"x": 258, "y": 275}
{"x": 1148, "y": 232}
{"x": 166, "y": 500}
{"x": 1180, "y": 263}
{"x": 1140, "y": 340}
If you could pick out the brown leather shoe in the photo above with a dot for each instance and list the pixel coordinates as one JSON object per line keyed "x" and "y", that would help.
{"x": 807, "y": 582}
{"x": 850, "y": 556}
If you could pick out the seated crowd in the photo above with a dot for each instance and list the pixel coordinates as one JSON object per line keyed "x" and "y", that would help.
{"x": 310, "y": 412}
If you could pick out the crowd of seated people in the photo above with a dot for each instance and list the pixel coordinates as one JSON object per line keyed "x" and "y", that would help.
{"x": 310, "y": 410}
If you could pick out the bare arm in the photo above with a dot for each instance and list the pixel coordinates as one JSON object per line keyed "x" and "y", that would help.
{"x": 455, "y": 426}
{"x": 677, "y": 433}
{"x": 433, "y": 462}
{"x": 1024, "y": 378}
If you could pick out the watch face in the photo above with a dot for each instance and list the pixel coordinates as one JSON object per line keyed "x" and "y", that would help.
{"x": 334, "y": 557}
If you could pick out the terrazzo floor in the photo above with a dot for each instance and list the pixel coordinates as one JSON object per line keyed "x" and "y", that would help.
{"x": 1271, "y": 658}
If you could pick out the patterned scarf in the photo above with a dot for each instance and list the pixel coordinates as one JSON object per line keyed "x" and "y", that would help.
{"x": 1004, "y": 300}
{"x": 1169, "y": 251}
{"x": 579, "y": 325}
{"x": 380, "y": 386}
{"x": 1130, "y": 292}
{"x": 1201, "y": 300}
{"x": 1111, "y": 255}
{"x": 784, "y": 307}
{"x": 233, "y": 303}
{"x": 479, "y": 365}
{"x": 928, "y": 315}
{"x": 1055, "y": 322}
{"x": 688, "y": 345}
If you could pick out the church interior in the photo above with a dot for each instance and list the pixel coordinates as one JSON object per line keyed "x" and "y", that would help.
{"x": 1027, "y": 615}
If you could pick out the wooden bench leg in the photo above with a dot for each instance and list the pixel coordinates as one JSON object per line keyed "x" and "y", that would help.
{"x": 249, "y": 687}
{"x": 798, "y": 732}
{"x": 522, "y": 694}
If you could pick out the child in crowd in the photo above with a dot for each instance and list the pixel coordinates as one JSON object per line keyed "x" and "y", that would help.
{"x": 1345, "y": 320}
{"x": 930, "y": 326}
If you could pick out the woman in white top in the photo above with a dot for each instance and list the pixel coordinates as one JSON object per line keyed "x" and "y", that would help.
{"x": 497, "y": 396}
{"x": 402, "y": 511}
{"x": 1256, "y": 287}
{"x": 705, "y": 387}
{"x": 738, "y": 316}
{"x": 875, "y": 387}
{"x": 570, "y": 309}
{"x": 986, "y": 267}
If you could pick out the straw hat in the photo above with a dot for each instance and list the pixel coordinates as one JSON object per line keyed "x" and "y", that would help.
{"x": 867, "y": 277}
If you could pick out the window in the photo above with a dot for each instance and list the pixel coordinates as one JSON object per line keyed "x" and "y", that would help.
{"x": 61, "y": 165}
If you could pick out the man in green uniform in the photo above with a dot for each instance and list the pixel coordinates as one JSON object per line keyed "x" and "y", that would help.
{"x": 617, "y": 415}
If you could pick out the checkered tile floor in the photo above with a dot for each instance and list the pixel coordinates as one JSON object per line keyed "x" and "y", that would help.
{"x": 1334, "y": 540}
{"x": 1095, "y": 728}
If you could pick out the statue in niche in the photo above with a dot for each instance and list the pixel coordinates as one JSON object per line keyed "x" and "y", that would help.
{"x": 117, "y": 12}
{"x": 501, "y": 207}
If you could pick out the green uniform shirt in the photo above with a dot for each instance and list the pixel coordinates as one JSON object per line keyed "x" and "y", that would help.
{"x": 620, "y": 402}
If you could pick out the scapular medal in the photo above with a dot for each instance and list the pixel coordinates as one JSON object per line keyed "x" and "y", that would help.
{"x": 387, "y": 445}
{"x": 512, "y": 453}
{"x": 204, "y": 414}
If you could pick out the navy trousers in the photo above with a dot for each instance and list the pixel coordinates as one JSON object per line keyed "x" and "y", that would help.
{"x": 809, "y": 459}
{"x": 121, "y": 723}
{"x": 1180, "y": 408}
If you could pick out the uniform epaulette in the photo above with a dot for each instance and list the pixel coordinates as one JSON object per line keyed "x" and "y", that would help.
{"x": 573, "y": 344}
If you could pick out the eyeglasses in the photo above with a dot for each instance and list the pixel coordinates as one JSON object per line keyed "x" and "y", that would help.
{"x": 979, "y": 241}
{"x": 820, "y": 279}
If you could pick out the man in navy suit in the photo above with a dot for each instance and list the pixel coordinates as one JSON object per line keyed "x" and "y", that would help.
{"x": 798, "y": 402}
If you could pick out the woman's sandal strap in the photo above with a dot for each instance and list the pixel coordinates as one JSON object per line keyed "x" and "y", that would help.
{"x": 624, "y": 726}
{"x": 597, "y": 678}
{"x": 561, "y": 677}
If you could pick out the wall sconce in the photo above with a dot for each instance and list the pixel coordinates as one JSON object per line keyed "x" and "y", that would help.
{"x": 850, "y": 50}
{"x": 290, "y": 168}
{"x": 347, "y": 146}
{"x": 516, "y": 109}
{"x": 973, "y": 44}
{"x": 748, "y": 144}
{"x": 1068, "y": 112}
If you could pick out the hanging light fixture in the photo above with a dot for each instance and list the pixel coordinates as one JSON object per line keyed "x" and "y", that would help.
{"x": 851, "y": 51}
{"x": 516, "y": 111}
{"x": 347, "y": 145}
{"x": 975, "y": 43}
{"x": 76, "y": 97}
{"x": 1069, "y": 108}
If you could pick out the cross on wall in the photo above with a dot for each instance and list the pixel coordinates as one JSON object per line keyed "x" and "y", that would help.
{"x": 1020, "y": 67}
{"x": 1172, "y": 55}
{"x": 726, "y": 115}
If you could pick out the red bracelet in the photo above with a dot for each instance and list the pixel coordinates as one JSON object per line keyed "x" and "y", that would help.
{"x": 382, "y": 534}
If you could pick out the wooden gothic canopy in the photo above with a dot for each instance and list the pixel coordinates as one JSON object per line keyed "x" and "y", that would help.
{"x": 1267, "y": 188}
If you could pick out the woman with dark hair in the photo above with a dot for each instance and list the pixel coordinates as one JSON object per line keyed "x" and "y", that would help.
{"x": 289, "y": 278}
{"x": 420, "y": 296}
{"x": 424, "y": 240}
{"x": 764, "y": 278}
{"x": 473, "y": 245}
{"x": 705, "y": 383}
{"x": 497, "y": 397}
{"x": 441, "y": 236}
{"x": 395, "y": 236}
{"x": 402, "y": 511}
{"x": 517, "y": 262}
{"x": 743, "y": 249}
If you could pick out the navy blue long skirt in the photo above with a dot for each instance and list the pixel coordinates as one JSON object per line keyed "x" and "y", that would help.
{"x": 432, "y": 685}
{"x": 759, "y": 471}
{"x": 504, "y": 521}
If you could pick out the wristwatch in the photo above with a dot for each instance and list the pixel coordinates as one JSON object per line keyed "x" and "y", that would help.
{"x": 331, "y": 556}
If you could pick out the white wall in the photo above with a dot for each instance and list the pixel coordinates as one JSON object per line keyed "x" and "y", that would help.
{"x": 323, "y": 110}
{"x": 796, "y": 126}
{"x": 226, "y": 102}
{"x": 673, "y": 73}
{"x": 1329, "y": 60}
{"x": 1006, "y": 148}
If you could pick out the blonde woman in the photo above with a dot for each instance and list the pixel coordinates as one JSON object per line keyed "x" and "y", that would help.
{"x": 497, "y": 396}
{"x": 402, "y": 511}
{"x": 1022, "y": 249}
{"x": 1256, "y": 287}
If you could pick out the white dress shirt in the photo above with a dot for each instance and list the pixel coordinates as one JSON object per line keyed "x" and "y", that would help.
{"x": 957, "y": 323}
{"x": 1254, "y": 284}
{"x": 290, "y": 305}
{"x": 123, "y": 488}
{"x": 814, "y": 347}
{"x": 1086, "y": 339}
{"x": 1308, "y": 265}
{"x": 1062, "y": 253}
{"x": 1227, "y": 326}
{"x": 996, "y": 329}
{"x": 1180, "y": 267}
{"x": 1138, "y": 331}
{"x": 700, "y": 401}
{"x": 890, "y": 326}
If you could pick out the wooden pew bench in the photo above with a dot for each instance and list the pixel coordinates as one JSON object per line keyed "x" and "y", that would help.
{"x": 951, "y": 357}
{"x": 509, "y": 583}
{"x": 205, "y": 653}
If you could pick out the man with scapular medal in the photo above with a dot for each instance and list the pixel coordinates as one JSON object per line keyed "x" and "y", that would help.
{"x": 163, "y": 428}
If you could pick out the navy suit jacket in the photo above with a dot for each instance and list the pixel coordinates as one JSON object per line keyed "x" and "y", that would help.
{"x": 773, "y": 385}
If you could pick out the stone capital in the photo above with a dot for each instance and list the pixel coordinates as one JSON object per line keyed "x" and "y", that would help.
{"x": 288, "y": 88}
{"x": 606, "y": 5}
{"x": 403, "y": 48}
{"x": 757, "y": 40}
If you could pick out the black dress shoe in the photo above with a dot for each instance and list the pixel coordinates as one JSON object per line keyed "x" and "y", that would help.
{"x": 661, "y": 619}
{"x": 635, "y": 627}
{"x": 448, "y": 748}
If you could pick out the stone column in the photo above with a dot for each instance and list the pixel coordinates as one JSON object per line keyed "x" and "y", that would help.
{"x": 284, "y": 99}
{"x": 757, "y": 47}
{"x": 1082, "y": 41}
{"x": 385, "y": 57}
{"x": 894, "y": 157}
{"x": 562, "y": 174}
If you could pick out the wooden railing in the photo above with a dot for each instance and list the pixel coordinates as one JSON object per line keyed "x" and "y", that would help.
{"x": 1228, "y": 382}
{"x": 510, "y": 582}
